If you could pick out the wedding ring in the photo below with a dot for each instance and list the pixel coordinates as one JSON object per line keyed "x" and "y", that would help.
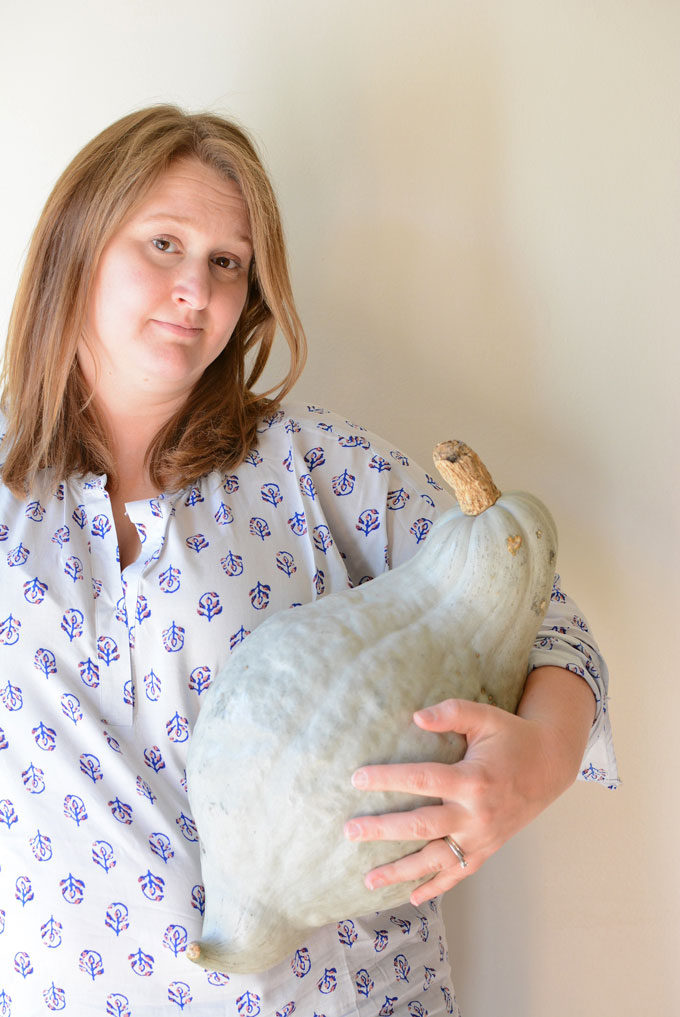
{"x": 457, "y": 850}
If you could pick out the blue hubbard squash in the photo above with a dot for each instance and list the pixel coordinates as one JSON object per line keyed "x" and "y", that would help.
{"x": 330, "y": 686}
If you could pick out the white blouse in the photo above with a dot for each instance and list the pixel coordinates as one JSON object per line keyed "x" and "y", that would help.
{"x": 101, "y": 682}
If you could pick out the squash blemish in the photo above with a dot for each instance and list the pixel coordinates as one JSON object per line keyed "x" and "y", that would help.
{"x": 514, "y": 544}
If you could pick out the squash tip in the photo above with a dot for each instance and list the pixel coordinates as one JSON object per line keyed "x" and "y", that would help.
{"x": 193, "y": 951}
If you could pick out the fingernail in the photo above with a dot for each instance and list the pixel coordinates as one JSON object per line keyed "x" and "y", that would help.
{"x": 374, "y": 882}
{"x": 360, "y": 778}
{"x": 426, "y": 714}
{"x": 352, "y": 831}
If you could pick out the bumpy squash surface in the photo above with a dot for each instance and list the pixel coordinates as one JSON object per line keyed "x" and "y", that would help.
{"x": 320, "y": 690}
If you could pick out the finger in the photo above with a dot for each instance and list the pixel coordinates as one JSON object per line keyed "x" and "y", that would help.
{"x": 443, "y": 881}
{"x": 429, "y": 779}
{"x": 460, "y": 715}
{"x": 448, "y": 876}
{"x": 427, "y": 823}
{"x": 434, "y": 867}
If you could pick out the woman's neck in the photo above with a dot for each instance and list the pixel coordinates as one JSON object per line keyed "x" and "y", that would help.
{"x": 130, "y": 438}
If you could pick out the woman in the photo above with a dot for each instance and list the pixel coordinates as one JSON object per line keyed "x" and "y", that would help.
{"x": 154, "y": 509}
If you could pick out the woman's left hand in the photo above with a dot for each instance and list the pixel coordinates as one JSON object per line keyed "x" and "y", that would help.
{"x": 514, "y": 766}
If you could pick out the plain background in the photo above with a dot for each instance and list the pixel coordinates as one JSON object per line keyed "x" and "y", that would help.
{"x": 482, "y": 208}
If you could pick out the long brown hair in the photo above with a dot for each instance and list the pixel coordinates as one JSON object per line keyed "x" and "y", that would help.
{"x": 51, "y": 420}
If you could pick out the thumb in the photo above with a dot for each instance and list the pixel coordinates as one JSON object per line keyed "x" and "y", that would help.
{"x": 460, "y": 715}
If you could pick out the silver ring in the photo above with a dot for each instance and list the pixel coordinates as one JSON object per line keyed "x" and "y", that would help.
{"x": 457, "y": 850}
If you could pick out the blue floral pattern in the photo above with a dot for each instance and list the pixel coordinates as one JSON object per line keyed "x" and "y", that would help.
{"x": 102, "y": 679}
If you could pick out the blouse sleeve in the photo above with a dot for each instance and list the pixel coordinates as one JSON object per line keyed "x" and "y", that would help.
{"x": 565, "y": 640}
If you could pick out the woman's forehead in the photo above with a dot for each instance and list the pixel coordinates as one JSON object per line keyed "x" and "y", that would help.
{"x": 192, "y": 193}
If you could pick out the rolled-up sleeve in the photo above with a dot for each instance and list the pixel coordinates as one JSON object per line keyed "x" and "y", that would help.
{"x": 565, "y": 640}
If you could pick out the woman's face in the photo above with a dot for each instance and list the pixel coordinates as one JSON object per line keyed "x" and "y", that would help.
{"x": 169, "y": 289}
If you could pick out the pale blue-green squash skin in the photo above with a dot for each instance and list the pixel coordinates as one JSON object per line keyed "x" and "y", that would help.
{"x": 321, "y": 689}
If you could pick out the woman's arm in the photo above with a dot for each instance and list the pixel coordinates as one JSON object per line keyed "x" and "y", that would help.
{"x": 514, "y": 766}
{"x": 565, "y": 641}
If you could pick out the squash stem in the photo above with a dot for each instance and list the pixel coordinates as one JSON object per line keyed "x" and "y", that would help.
{"x": 465, "y": 472}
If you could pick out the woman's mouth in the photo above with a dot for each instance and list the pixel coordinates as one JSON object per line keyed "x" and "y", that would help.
{"x": 183, "y": 331}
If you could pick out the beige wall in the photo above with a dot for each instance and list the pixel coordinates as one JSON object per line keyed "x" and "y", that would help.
{"x": 482, "y": 205}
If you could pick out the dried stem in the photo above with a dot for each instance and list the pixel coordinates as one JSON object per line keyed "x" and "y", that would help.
{"x": 467, "y": 475}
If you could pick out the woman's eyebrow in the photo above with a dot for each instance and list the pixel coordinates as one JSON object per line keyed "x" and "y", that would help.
{"x": 185, "y": 220}
{"x": 156, "y": 216}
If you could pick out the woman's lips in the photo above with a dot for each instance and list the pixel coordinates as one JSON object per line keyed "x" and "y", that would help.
{"x": 183, "y": 331}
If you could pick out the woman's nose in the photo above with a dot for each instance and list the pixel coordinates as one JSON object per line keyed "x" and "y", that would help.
{"x": 192, "y": 285}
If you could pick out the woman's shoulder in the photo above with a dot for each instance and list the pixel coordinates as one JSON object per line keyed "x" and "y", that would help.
{"x": 314, "y": 431}
{"x": 291, "y": 419}
{"x": 335, "y": 454}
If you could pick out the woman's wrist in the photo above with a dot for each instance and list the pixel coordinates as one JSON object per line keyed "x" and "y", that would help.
{"x": 563, "y": 705}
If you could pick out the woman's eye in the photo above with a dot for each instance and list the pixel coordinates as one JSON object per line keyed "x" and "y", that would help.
{"x": 162, "y": 243}
{"x": 222, "y": 261}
